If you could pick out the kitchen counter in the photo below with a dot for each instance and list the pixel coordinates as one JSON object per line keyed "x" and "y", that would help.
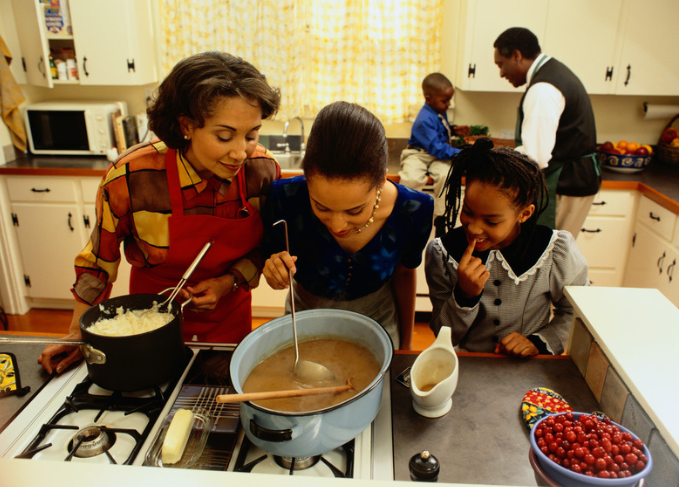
{"x": 30, "y": 374}
{"x": 638, "y": 331}
{"x": 483, "y": 438}
{"x": 659, "y": 182}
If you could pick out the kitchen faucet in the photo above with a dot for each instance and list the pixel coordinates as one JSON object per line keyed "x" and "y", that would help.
{"x": 285, "y": 134}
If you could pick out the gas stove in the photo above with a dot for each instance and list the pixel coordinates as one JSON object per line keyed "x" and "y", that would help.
{"x": 74, "y": 420}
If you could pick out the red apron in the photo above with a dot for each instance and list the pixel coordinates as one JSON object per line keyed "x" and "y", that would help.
{"x": 231, "y": 319}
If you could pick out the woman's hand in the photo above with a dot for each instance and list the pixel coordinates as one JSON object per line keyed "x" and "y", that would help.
{"x": 472, "y": 274}
{"x": 56, "y": 358}
{"x": 276, "y": 270}
{"x": 207, "y": 293}
{"x": 516, "y": 345}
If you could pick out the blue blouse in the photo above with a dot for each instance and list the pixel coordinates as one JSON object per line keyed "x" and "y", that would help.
{"x": 324, "y": 268}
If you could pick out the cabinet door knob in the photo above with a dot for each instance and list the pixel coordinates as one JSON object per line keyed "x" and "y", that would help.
{"x": 69, "y": 221}
{"x": 629, "y": 74}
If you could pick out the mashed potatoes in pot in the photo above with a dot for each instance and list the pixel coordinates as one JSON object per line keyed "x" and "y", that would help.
{"x": 131, "y": 322}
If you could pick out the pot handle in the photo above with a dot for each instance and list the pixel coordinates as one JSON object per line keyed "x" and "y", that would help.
{"x": 92, "y": 355}
{"x": 184, "y": 303}
{"x": 274, "y": 436}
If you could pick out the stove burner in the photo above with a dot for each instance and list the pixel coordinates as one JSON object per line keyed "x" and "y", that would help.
{"x": 301, "y": 463}
{"x": 91, "y": 441}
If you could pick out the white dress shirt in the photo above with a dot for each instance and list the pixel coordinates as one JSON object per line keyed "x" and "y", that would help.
{"x": 542, "y": 109}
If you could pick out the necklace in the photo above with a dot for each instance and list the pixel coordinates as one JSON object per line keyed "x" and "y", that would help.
{"x": 378, "y": 198}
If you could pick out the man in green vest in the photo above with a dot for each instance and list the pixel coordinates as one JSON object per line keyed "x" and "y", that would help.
{"x": 555, "y": 127}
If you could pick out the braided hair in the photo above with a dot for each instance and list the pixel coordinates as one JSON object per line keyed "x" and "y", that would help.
{"x": 511, "y": 172}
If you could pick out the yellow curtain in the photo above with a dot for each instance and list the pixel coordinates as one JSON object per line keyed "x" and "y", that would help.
{"x": 371, "y": 52}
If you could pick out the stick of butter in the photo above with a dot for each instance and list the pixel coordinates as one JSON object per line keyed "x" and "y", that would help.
{"x": 177, "y": 436}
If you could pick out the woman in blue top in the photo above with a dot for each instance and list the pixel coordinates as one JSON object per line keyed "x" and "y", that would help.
{"x": 355, "y": 237}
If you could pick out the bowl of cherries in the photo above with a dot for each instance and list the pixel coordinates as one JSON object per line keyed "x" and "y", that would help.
{"x": 580, "y": 449}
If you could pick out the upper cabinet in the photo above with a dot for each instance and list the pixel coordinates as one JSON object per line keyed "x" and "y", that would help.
{"x": 112, "y": 43}
{"x": 584, "y": 36}
{"x": 648, "y": 60}
{"x": 480, "y": 22}
{"x": 622, "y": 47}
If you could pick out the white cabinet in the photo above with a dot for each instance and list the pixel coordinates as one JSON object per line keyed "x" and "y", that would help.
{"x": 653, "y": 258}
{"x": 573, "y": 28}
{"x": 52, "y": 218}
{"x": 647, "y": 63}
{"x": 267, "y": 302}
{"x": 48, "y": 220}
{"x": 113, "y": 42}
{"x": 605, "y": 236}
{"x": 480, "y": 22}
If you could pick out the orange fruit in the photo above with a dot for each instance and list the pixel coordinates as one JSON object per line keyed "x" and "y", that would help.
{"x": 632, "y": 146}
{"x": 675, "y": 142}
{"x": 621, "y": 145}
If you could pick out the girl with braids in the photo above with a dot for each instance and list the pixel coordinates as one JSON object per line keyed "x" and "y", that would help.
{"x": 495, "y": 278}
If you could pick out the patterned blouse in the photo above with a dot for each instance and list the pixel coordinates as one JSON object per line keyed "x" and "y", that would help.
{"x": 133, "y": 207}
{"x": 323, "y": 267}
{"x": 526, "y": 279}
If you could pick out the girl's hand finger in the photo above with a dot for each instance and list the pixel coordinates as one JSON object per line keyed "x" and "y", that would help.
{"x": 467, "y": 255}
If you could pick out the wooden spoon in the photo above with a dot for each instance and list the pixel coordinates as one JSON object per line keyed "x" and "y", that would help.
{"x": 258, "y": 396}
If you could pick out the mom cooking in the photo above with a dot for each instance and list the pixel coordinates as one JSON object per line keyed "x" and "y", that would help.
{"x": 202, "y": 180}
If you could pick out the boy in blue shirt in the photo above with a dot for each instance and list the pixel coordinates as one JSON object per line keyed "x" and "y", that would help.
{"x": 429, "y": 149}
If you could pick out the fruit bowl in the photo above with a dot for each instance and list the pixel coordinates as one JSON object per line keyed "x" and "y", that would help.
{"x": 566, "y": 476}
{"x": 624, "y": 163}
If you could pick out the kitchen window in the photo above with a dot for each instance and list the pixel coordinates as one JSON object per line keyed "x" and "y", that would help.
{"x": 370, "y": 52}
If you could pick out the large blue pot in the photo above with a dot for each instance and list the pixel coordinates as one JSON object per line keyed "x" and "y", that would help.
{"x": 293, "y": 434}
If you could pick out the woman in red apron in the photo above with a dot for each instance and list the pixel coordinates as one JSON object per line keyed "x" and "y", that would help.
{"x": 165, "y": 199}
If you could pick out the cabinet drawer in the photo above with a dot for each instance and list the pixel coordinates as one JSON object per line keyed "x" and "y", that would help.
{"x": 89, "y": 188}
{"x": 660, "y": 219}
{"x": 613, "y": 202}
{"x": 36, "y": 190}
{"x": 604, "y": 242}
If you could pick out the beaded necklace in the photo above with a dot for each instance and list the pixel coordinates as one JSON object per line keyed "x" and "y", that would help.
{"x": 378, "y": 198}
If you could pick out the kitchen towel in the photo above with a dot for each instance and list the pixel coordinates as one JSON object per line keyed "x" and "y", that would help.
{"x": 656, "y": 112}
{"x": 10, "y": 99}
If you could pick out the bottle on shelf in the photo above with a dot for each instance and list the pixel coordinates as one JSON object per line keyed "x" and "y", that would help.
{"x": 53, "y": 69}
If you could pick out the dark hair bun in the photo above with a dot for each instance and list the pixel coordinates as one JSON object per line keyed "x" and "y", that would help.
{"x": 483, "y": 145}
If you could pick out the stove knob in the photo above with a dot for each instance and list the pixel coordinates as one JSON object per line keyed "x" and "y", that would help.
{"x": 424, "y": 467}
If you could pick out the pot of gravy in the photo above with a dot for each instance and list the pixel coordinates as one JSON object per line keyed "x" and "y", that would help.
{"x": 349, "y": 344}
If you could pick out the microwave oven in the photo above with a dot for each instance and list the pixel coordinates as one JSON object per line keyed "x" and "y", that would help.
{"x": 72, "y": 127}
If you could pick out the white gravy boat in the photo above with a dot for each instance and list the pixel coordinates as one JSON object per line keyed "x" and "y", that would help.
{"x": 433, "y": 377}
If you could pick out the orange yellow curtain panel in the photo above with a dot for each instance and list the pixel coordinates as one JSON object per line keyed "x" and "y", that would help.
{"x": 371, "y": 52}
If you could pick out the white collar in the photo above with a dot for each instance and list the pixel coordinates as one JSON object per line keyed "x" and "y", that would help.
{"x": 539, "y": 61}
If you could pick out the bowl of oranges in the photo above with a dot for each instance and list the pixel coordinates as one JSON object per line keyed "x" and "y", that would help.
{"x": 625, "y": 157}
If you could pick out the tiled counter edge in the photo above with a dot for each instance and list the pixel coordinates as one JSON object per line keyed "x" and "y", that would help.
{"x": 620, "y": 405}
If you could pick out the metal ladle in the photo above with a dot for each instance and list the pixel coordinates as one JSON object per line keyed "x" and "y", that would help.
{"x": 304, "y": 369}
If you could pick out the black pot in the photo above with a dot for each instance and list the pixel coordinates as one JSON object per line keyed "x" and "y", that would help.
{"x": 134, "y": 362}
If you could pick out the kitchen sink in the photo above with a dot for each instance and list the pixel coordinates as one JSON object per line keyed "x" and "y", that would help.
{"x": 290, "y": 160}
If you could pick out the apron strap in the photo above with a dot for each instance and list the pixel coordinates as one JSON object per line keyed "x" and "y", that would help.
{"x": 173, "y": 182}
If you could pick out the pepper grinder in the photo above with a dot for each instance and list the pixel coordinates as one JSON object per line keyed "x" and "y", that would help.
{"x": 424, "y": 467}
